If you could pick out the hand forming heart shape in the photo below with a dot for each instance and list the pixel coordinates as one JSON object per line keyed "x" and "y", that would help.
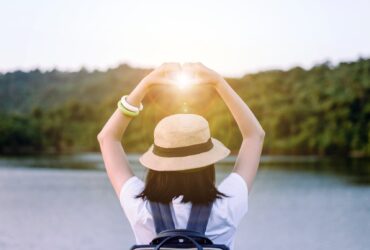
{"x": 182, "y": 76}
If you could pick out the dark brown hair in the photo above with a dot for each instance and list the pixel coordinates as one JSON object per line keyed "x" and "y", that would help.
{"x": 197, "y": 186}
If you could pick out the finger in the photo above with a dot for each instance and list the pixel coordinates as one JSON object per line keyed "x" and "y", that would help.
{"x": 175, "y": 67}
{"x": 189, "y": 64}
{"x": 171, "y": 66}
{"x": 189, "y": 67}
{"x": 196, "y": 69}
{"x": 171, "y": 69}
{"x": 164, "y": 69}
{"x": 200, "y": 65}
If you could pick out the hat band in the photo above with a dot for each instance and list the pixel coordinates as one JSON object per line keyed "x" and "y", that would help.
{"x": 183, "y": 151}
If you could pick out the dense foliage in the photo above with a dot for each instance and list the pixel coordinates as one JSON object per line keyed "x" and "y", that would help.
{"x": 324, "y": 110}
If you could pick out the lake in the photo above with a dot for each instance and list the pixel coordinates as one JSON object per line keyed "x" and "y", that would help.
{"x": 67, "y": 202}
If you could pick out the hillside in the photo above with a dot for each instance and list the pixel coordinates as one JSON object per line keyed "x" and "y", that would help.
{"x": 323, "y": 110}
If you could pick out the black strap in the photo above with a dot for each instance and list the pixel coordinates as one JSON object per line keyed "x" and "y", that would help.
{"x": 199, "y": 216}
{"x": 162, "y": 216}
{"x": 183, "y": 151}
{"x": 198, "y": 219}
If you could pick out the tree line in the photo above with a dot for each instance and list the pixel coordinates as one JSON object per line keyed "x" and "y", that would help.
{"x": 324, "y": 110}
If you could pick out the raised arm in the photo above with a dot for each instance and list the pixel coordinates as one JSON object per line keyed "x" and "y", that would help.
{"x": 253, "y": 134}
{"x": 115, "y": 159}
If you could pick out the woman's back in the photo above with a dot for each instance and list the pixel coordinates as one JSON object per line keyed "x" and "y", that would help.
{"x": 225, "y": 216}
{"x": 182, "y": 157}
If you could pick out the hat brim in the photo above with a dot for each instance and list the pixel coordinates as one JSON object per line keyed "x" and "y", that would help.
{"x": 159, "y": 163}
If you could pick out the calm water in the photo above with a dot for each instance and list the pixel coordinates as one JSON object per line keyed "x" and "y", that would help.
{"x": 296, "y": 203}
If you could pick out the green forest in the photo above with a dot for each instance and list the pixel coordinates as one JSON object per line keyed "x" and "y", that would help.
{"x": 324, "y": 110}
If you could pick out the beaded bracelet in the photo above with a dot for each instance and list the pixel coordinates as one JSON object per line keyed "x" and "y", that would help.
{"x": 126, "y": 111}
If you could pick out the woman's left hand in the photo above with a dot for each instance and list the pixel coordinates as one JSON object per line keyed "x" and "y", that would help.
{"x": 162, "y": 75}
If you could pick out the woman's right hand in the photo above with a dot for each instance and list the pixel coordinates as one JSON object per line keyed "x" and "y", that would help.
{"x": 162, "y": 75}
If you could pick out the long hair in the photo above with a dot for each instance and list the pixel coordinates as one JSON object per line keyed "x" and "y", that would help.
{"x": 197, "y": 186}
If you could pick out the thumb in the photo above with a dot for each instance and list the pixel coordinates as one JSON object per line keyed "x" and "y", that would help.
{"x": 189, "y": 68}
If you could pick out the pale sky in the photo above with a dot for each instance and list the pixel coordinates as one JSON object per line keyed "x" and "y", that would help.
{"x": 232, "y": 37}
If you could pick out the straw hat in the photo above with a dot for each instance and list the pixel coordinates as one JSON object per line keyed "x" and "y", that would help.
{"x": 183, "y": 142}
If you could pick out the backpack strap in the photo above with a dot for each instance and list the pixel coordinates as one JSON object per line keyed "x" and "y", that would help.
{"x": 198, "y": 219}
{"x": 162, "y": 216}
{"x": 199, "y": 216}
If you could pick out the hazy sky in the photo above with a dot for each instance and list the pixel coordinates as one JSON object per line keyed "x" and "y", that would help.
{"x": 233, "y": 37}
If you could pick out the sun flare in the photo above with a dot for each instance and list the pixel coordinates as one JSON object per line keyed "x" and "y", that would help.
{"x": 183, "y": 80}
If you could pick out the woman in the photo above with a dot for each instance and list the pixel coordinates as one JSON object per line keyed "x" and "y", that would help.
{"x": 186, "y": 176}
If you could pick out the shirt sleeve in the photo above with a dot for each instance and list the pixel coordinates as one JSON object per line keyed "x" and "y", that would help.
{"x": 131, "y": 205}
{"x": 236, "y": 204}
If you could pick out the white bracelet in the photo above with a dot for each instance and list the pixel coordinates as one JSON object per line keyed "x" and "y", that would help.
{"x": 129, "y": 106}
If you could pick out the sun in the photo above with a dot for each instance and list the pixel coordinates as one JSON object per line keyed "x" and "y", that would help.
{"x": 183, "y": 80}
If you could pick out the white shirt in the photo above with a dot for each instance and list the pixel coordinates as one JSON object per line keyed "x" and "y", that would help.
{"x": 225, "y": 216}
